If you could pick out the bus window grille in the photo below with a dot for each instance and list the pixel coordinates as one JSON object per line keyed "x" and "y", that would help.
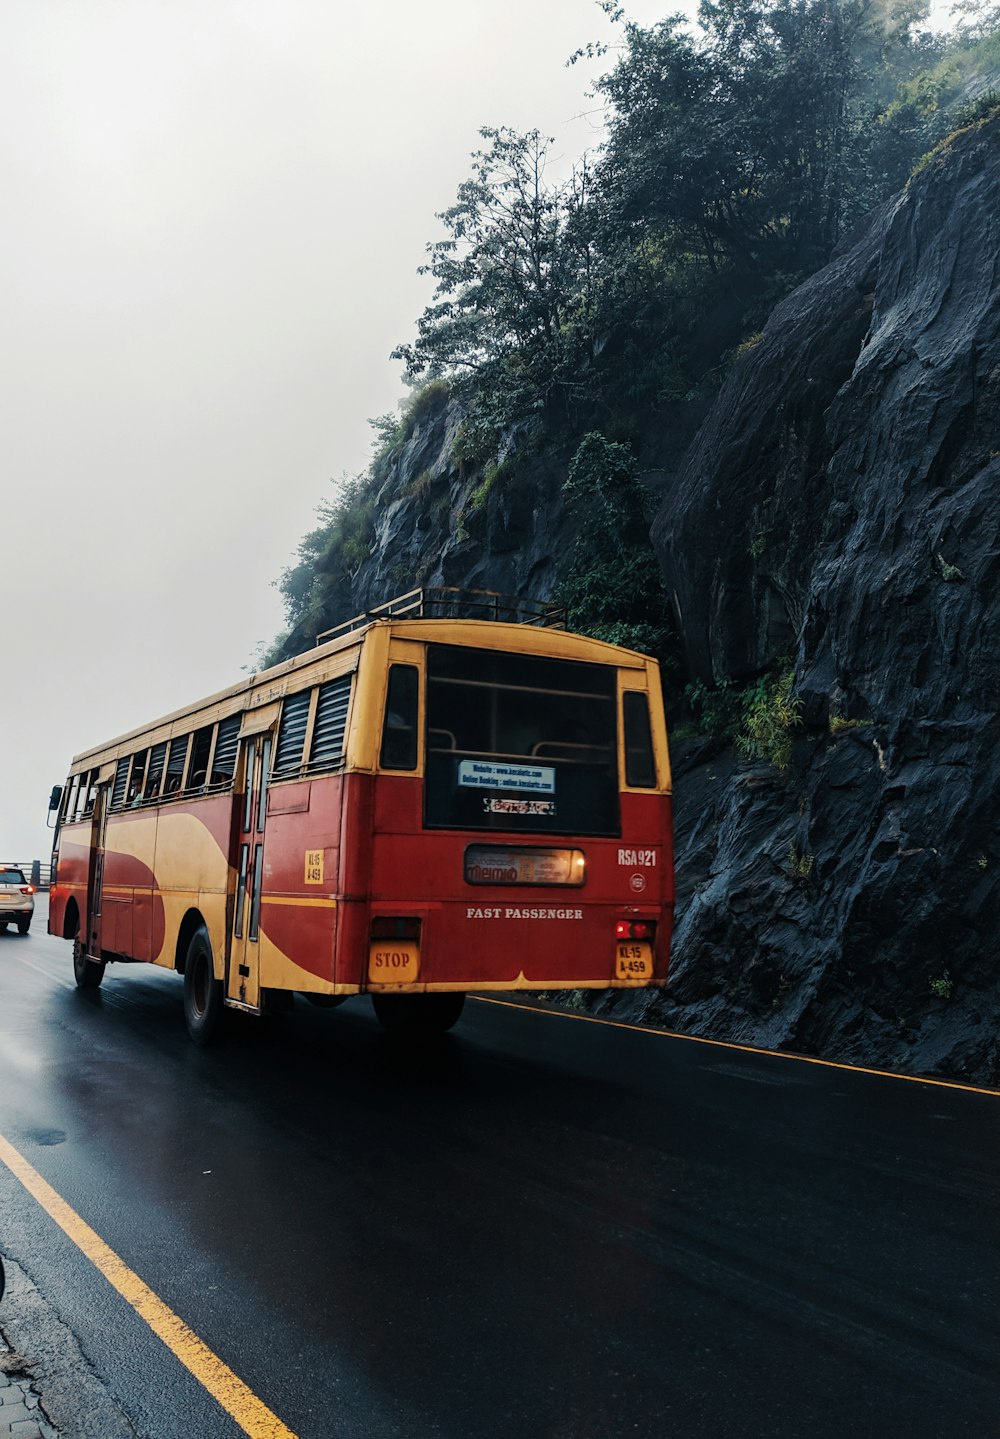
{"x": 224, "y": 764}
{"x": 154, "y": 773}
{"x": 292, "y": 734}
{"x": 331, "y": 722}
{"x": 175, "y": 763}
{"x": 121, "y": 779}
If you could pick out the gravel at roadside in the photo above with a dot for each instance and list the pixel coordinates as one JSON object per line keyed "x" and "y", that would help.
{"x": 47, "y": 1388}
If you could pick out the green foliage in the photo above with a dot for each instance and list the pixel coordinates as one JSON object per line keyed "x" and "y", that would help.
{"x": 758, "y": 720}
{"x": 948, "y": 572}
{"x": 481, "y": 494}
{"x": 420, "y": 484}
{"x": 745, "y": 346}
{"x": 968, "y": 118}
{"x": 839, "y": 723}
{"x": 942, "y": 986}
{"x": 740, "y": 149}
{"x": 509, "y": 305}
{"x": 736, "y": 155}
{"x": 393, "y": 430}
{"x": 388, "y": 432}
{"x": 612, "y": 587}
{"x": 328, "y": 557}
{"x": 770, "y": 713}
{"x": 800, "y": 866}
{"x": 494, "y": 475}
{"x": 717, "y": 709}
{"x": 425, "y": 401}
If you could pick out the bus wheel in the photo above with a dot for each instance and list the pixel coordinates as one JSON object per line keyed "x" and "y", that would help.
{"x": 417, "y": 1013}
{"x": 202, "y": 991}
{"x": 88, "y": 973}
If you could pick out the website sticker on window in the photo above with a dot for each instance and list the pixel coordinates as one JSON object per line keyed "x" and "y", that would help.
{"x": 489, "y": 774}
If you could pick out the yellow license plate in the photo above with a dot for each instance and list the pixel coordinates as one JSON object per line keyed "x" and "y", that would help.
{"x": 393, "y": 961}
{"x": 634, "y": 961}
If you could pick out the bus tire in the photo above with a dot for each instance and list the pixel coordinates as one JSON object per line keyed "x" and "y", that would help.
{"x": 418, "y": 1013}
{"x": 87, "y": 972}
{"x": 202, "y": 991}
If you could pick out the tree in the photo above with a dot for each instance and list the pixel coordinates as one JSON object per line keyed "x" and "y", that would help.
{"x": 503, "y": 276}
{"x": 736, "y": 147}
{"x": 612, "y": 587}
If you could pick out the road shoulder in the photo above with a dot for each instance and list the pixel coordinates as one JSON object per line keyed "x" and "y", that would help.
{"x": 45, "y": 1380}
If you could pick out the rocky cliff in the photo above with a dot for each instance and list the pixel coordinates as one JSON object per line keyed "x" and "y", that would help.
{"x": 837, "y": 514}
{"x": 841, "y": 506}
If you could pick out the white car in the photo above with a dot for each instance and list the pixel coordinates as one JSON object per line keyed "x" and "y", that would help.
{"x": 17, "y": 899}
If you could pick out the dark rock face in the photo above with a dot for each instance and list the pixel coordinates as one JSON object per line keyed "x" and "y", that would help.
{"x": 441, "y": 522}
{"x": 841, "y": 506}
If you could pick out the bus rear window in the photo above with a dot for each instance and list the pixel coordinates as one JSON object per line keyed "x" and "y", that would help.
{"x": 519, "y": 743}
{"x": 640, "y": 765}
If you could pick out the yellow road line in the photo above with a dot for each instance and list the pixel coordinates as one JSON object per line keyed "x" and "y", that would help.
{"x": 225, "y": 1387}
{"x": 743, "y": 1048}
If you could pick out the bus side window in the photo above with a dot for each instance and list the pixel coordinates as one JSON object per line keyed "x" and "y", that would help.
{"x": 69, "y": 799}
{"x": 90, "y": 797}
{"x": 85, "y": 794}
{"x": 121, "y": 780}
{"x": 224, "y": 761}
{"x": 137, "y": 777}
{"x": 175, "y": 764}
{"x": 640, "y": 766}
{"x": 292, "y": 733}
{"x": 198, "y": 769}
{"x": 330, "y": 727}
{"x": 155, "y": 775}
{"x": 399, "y": 731}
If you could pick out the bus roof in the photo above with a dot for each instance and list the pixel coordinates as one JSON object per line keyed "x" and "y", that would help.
{"x": 334, "y": 657}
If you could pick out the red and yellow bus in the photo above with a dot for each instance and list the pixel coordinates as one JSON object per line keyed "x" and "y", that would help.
{"x": 422, "y": 806}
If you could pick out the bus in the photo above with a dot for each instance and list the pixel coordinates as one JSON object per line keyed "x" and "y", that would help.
{"x": 449, "y": 794}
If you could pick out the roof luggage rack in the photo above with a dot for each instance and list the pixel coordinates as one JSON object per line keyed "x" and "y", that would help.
{"x": 457, "y": 604}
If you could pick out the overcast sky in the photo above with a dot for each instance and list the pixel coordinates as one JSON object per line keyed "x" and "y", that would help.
{"x": 212, "y": 218}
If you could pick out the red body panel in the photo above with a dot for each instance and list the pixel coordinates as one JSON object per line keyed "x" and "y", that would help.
{"x": 132, "y": 920}
{"x": 475, "y": 934}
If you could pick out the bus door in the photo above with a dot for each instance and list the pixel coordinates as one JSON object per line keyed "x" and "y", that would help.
{"x": 243, "y": 978}
{"x": 95, "y": 875}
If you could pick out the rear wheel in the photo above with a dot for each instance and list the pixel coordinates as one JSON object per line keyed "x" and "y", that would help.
{"x": 3, "y": 926}
{"x": 23, "y": 925}
{"x": 88, "y": 973}
{"x": 418, "y": 1013}
{"x": 202, "y": 991}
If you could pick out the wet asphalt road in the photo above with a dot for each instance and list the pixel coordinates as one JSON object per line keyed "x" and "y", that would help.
{"x": 541, "y": 1229}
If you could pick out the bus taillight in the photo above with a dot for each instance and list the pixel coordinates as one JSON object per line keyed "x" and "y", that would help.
{"x": 634, "y": 950}
{"x": 635, "y": 929}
